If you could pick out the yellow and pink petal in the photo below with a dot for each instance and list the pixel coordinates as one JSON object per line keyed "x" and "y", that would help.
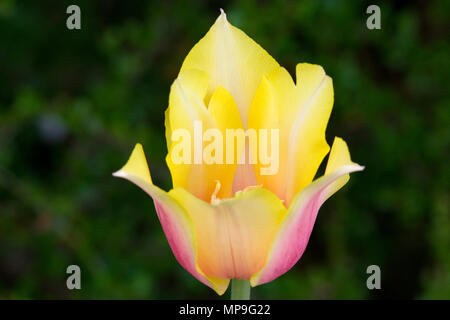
{"x": 295, "y": 230}
{"x": 176, "y": 223}
{"x": 233, "y": 235}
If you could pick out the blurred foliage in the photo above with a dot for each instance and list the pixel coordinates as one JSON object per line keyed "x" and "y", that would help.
{"x": 73, "y": 103}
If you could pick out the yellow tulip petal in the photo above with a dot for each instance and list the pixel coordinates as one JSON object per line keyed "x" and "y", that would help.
{"x": 307, "y": 143}
{"x": 339, "y": 156}
{"x": 233, "y": 235}
{"x": 224, "y": 112}
{"x": 186, "y": 98}
{"x": 176, "y": 223}
{"x": 233, "y": 60}
{"x": 186, "y": 107}
{"x": 301, "y": 112}
{"x": 265, "y": 114}
{"x": 295, "y": 230}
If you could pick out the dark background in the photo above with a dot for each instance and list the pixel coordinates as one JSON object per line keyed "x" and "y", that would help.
{"x": 74, "y": 103}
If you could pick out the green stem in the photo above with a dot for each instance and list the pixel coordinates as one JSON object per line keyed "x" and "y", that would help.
{"x": 240, "y": 289}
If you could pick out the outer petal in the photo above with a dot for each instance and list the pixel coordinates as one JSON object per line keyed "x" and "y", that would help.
{"x": 175, "y": 222}
{"x": 301, "y": 112}
{"x": 234, "y": 235}
{"x": 294, "y": 232}
{"x": 233, "y": 60}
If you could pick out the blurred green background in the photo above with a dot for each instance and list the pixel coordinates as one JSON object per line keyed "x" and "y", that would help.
{"x": 74, "y": 103}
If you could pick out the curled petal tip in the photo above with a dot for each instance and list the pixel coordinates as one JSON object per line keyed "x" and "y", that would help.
{"x": 135, "y": 166}
{"x": 357, "y": 167}
{"x": 118, "y": 174}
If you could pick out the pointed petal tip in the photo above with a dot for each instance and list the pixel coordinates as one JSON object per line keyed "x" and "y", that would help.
{"x": 119, "y": 174}
{"x": 136, "y": 165}
{"x": 353, "y": 167}
{"x": 220, "y": 291}
{"x": 339, "y": 140}
{"x": 222, "y": 16}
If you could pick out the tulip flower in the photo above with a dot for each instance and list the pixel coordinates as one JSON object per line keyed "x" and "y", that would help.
{"x": 230, "y": 220}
